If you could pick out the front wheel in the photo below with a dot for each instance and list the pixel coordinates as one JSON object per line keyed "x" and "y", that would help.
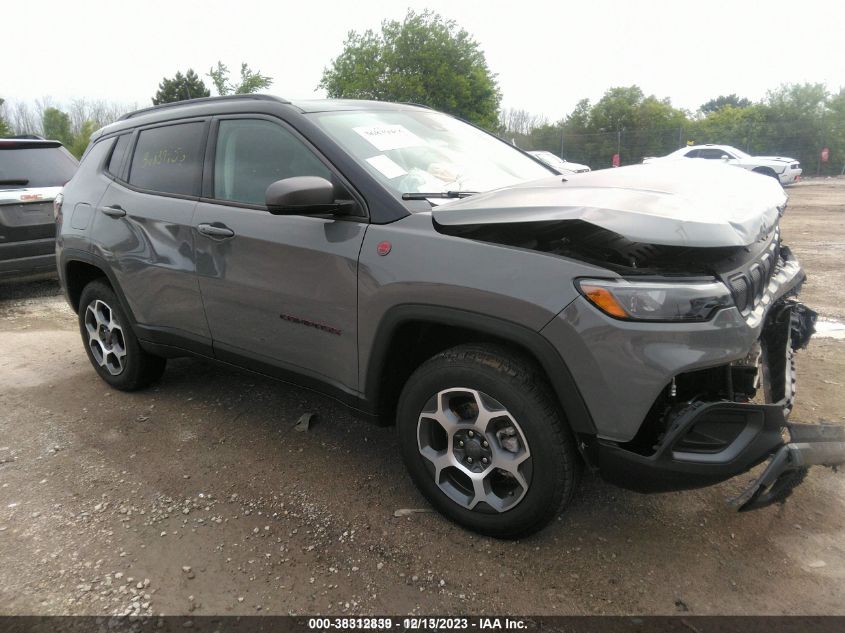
{"x": 110, "y": 343}
{"x": 484, "y": 441}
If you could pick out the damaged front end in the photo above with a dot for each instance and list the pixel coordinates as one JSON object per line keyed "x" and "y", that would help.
{"x": 709, "y": 425}
{"x": 721, "y": 365}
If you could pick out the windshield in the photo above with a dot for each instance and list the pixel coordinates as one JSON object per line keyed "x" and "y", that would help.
{"x": 35, "y": 167}
{"x": 550, "y": 159}
{"x": 415, "y": 152}
{"x": 739, "y": 153}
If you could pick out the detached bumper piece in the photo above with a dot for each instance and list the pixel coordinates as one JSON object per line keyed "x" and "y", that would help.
{"x": 811, "y": 445}
{"x": 706, "y": 443}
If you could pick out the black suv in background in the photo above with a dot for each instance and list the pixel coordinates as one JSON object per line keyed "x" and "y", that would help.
{"x": 32, "y": 173}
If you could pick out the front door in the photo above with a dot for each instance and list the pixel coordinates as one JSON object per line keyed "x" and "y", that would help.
{"x": 278, "y": 290}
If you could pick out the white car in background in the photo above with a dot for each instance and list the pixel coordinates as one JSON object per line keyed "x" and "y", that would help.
{"x": 559, "y": 164}
{"x": 786, "y": 170}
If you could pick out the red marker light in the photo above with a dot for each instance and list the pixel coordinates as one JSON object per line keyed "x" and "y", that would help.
{"x": 383, "y": 248}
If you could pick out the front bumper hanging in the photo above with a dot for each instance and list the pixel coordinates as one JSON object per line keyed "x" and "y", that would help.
{"x": 810, "y": 445}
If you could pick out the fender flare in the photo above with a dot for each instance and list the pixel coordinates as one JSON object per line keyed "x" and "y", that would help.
{"x": 69, "y": 255}
{"x": 554, "y": 366}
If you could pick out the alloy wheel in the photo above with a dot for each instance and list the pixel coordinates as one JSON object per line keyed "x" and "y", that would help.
{"x": 475, "y": 450}
{"x": 105, "y": 337}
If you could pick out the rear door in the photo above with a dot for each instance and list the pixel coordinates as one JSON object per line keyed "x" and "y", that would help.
{"x": 280, "y": 291}
{"x": 143, "y": 228}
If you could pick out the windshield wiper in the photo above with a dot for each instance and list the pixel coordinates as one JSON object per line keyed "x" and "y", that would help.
{"x": 14, "y": 181}
{"x": 439, "y": 194}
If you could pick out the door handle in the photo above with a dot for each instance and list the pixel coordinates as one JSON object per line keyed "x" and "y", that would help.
{"x": 212, "y": 230}
{"x": 113, "y": 212}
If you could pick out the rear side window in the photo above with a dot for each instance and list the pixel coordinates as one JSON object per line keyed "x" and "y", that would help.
{"x": 35, "y": 167}
{"x": 169, "y": 159}
{"x": 252, "y": 153}
{"x": 116, "y": 160}
{"x": 692, "y": 154}
{"x": 713, "y": 153}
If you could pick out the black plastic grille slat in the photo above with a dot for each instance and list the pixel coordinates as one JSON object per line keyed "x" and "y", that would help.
{"x": 749, "y": 285}
{"x": 739, "y": 289}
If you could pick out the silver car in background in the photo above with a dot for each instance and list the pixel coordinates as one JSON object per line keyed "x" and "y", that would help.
{"x": 786, "y": 170}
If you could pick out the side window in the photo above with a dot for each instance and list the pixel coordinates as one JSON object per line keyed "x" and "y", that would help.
{"x": 116, "y": 160}
{"x": 714, "y": 153}
{"x": 253, "y": 153}
{"x": 692, "y": 154}
{"x": 169, "y": 159}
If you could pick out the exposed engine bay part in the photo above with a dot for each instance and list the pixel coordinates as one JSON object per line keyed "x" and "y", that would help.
{"x": 769, "y": 367}
{"x": 678, "y": 203}
{"x": 789, "y": 326}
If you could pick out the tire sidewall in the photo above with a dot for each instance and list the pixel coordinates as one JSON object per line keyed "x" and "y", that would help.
{"x": 549, "y": 484}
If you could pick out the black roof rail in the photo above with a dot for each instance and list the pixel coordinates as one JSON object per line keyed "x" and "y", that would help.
{"x": 155, "y": 108}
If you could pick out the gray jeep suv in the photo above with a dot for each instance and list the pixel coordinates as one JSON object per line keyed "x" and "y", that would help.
{"x": 514, "y": 324}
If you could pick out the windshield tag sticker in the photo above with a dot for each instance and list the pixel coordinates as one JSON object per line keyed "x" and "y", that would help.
{"x": 388, "y": 137}
{"x": 386, "y": 166}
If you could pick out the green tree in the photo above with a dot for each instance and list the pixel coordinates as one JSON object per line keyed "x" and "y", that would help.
{"x": 423, "y": 59}
{"x": 56, "y": 125}
{"x": 251, "y": 81}
{"x": 723, "y": 101}
{"x": 180, "y": 88}
{"x": 5, "y": 128}
{"x": 729, "y": 125}
{"x": 82, "y": 138}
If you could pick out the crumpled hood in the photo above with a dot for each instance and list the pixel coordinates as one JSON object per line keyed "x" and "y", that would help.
{"x": 689, "y": 203}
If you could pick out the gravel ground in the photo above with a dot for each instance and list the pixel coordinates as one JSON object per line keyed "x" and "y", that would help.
{"x": 198, "y": 496}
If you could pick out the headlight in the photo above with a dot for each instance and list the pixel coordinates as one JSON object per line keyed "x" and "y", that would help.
{"x": 656, "y": 300}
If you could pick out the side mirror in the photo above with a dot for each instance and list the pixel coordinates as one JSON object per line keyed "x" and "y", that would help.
{"x": 725, "y": 157}
{"x": 301, "y": 195}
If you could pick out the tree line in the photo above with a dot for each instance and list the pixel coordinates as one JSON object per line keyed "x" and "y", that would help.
{"x": 794, "y": 120}
{"x": 430, "y": 60}
{"x": 74, "y": 123}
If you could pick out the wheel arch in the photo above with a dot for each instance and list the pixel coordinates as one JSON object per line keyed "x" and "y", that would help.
{"x": 79, "y": 268}
{"x": 409, "y": 334}
{"x": 766, "y": 171}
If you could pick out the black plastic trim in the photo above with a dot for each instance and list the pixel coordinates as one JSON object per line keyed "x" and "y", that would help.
{"x": 544, "y": 352}
{"x": 668, "y": 469}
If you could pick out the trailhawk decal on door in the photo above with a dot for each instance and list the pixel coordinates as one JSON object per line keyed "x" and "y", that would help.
{"x": 314, "y": 324}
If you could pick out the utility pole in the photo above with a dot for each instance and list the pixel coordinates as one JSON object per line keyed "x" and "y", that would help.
{"x": 818, "y": 151}
{"x": 561, "y": 143}
{"x": 680, "y": 136}
{"x": 618, "y": 138}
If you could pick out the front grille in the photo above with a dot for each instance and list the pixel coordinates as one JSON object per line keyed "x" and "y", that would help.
{"x": 749, "y": 284}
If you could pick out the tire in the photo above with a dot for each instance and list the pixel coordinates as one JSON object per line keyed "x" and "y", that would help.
{"x": 111, "y": 345}
{"x": 526, "y": 435}
{"x": 765, "y": 171}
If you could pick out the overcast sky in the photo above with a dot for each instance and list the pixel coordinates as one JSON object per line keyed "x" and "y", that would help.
{"x": 548, "y": 55}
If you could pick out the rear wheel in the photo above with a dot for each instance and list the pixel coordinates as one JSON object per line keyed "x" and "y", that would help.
{"x": 484, "y": 441}
{"x": 110, "y": 343}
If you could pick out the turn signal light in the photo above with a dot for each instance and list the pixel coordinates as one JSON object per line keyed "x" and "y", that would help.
{"x": 604, "y": 301}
